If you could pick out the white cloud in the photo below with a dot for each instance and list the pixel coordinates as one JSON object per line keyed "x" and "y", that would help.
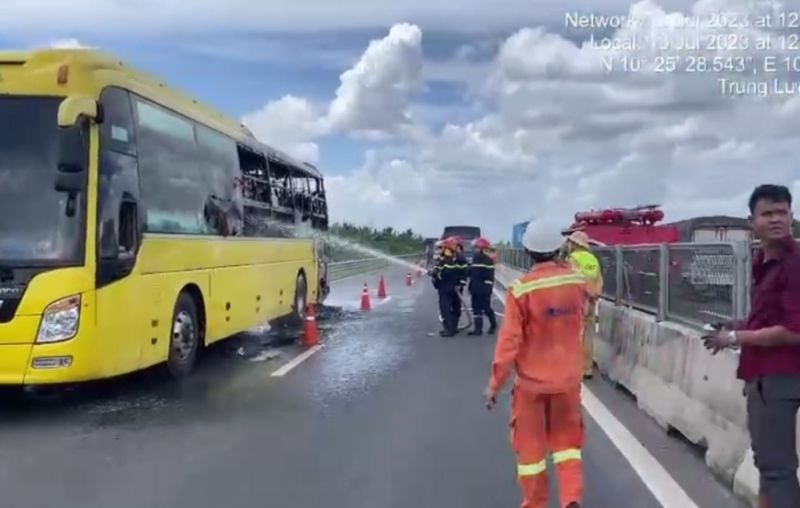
{"x": 288, "y": 124}
{"x": 373, "y": 95}
{"x": 68, "y": 44}
{"x": 372, "y": 101}
{"x": 566, "y": 135}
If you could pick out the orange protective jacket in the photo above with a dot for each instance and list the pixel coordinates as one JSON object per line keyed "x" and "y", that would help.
{"x": 542, "y": 331}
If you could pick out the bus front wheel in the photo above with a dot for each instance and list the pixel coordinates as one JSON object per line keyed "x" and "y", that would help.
{"x": 184, "y": 338}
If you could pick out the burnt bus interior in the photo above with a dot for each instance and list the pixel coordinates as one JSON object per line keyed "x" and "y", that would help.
{"x": 275, "y": 192}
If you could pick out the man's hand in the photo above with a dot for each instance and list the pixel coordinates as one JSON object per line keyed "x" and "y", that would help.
{"x": 719, "y": 340}
{"x": 491, "y": 398}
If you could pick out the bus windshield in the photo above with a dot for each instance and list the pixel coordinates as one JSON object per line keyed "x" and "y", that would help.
{"x": 34, "y": 228}
{"x": 468, "y": 233}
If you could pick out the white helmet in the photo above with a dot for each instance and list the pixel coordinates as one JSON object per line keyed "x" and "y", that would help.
{"x": 542, "y": 237}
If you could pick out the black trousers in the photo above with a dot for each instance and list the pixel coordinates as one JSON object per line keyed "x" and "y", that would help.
{"x": 482, "y": 306}
{"x": 448, "y": 299}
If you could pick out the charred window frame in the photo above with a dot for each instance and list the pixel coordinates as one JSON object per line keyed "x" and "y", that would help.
{"x": 119, "y": 213}
{"x": 319, "y": 204}
{"x": 256, "y": 186}
{"x": 282, "y": 192}
{"x": 301, "y": 189}
{"x": 257, "y": 192}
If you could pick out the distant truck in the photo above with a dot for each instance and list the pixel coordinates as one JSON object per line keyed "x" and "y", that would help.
{"x": 467, "y": 233}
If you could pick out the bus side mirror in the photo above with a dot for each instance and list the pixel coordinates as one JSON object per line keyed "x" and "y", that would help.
{"x": 70, "y": 182}
{"x": 73, "y": 148}
{"x": 74, "y": 107}
{"x": 74, "y": 115}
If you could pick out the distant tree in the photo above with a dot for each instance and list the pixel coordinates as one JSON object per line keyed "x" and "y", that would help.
{"x": 386, "y": 240}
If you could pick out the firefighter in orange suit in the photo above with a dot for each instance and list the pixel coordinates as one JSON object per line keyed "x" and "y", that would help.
{"x": 541, "y": 339}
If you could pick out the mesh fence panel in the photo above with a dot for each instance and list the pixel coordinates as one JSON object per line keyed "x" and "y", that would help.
{"x": 515, "y": 258}
{"x": 608, "y": 266}
{"x": 704, "y": 282}
{"x": 701, "y": 282}
{"x": 640, "y": 277}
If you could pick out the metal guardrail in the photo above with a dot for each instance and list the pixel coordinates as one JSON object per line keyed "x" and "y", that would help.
{"x": 693, "y": 283}
{"x": 342, "y": 269}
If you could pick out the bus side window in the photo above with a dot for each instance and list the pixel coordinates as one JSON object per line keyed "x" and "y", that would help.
{"x": 119, "y": 209}
{"x": 221, "y": 170}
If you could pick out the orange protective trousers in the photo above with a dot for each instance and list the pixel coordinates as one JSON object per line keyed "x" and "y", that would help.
{"x": 543, "y": 424}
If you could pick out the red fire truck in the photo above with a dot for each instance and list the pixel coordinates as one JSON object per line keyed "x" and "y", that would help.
{"x": 626, "y": 226}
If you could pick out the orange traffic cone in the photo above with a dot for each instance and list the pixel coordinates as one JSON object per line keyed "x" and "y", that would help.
{"x": 409, "y": 280}
{"x": 382, "y": 288}
{"x": 310, "y": 331}
{"x": 365, "y": 304}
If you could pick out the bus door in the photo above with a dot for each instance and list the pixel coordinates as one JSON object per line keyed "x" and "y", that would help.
{"x": 123, "y": 317}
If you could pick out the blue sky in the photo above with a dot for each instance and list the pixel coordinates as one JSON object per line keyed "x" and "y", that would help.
{"x": 424, "y": 114}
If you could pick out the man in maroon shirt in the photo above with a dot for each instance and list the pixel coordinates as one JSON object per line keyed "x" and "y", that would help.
{"x": 770, "y": 343}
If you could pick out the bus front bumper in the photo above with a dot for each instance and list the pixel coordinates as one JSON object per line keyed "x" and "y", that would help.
{"x": 39, "y": 364}
{"x": 14, "y": 362}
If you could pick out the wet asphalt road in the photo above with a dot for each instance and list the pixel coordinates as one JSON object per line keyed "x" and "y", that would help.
{"x": 386, "y": 415}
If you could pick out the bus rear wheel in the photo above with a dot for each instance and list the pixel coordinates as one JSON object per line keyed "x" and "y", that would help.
{"x": 299, "y": 307}
{"x": 184, "y": 337}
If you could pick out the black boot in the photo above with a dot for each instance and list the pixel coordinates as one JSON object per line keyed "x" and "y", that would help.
{"x": 454, "y": 325}
{"x": 574, "y": 505}
{"x": 450, "y": 328}
{"x": 492, "y": 322}
{"x": 478, "y": 320}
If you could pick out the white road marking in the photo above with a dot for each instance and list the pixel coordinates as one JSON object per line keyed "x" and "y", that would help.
{"x": 663, "y": 487}
{"x": 499, "y": 295}
{"x": 296, "y": 361}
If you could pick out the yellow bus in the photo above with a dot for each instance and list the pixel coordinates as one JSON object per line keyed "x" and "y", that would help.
{"x": 137, "y": 225}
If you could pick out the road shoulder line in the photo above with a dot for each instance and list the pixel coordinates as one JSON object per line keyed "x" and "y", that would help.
{"x": 285, "y": 369}
{"x": 660, "y": 483}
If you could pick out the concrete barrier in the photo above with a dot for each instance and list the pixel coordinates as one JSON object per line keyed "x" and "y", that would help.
{"x": 678, "y": 383}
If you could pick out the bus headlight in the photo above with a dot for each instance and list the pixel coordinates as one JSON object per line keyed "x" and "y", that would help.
{"x": 60, "y": 320}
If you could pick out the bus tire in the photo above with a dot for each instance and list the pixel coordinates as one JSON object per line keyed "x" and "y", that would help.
{"x": 300, "y": 303}
{"x": 185, "y": 336}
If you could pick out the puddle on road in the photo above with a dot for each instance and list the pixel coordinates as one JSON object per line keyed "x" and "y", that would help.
{"x": 262, "y": 356}
{"x": 228, "y": 375}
